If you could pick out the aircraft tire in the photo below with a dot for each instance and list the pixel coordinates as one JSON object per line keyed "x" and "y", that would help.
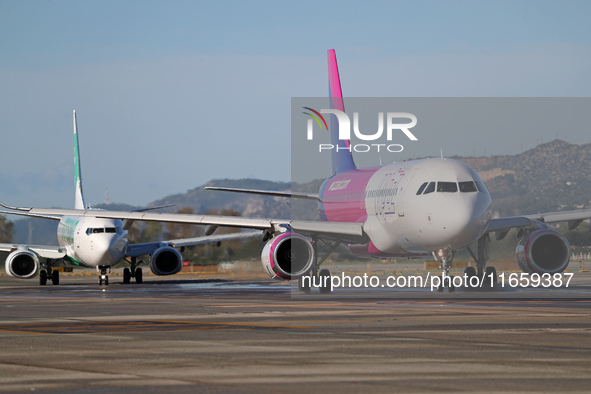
{"x": 43, "y": 278}
{"x": 126, "y": 276}
{"x": 138, "y": 276}
{"x": 301, "y": 287}
{"x": 488, "y": 272}
{"x": 470, "y": 272}
{"x": 326, "y": 284}
{"x": 55, "y": 277}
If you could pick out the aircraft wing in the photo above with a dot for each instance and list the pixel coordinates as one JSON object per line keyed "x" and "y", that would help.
{"x": 20, "y": 213}
{"x": 573, "y": 218}
{"x": 535, "y": 221}
{"x": 135, "y": 250}
{"x": 44, "y": 251}
{"x": 345, "y": 232}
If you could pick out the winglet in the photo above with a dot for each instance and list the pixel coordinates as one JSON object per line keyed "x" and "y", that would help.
{"x": 14, "y": 208}
{"x": 342, "y": 160}
{"x": 79, "y": 196}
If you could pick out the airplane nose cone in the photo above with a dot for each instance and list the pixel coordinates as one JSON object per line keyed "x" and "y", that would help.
{"x": 465, "y": 221}
{"x": 105, "y": 249}
{"x": 460, "y": 221}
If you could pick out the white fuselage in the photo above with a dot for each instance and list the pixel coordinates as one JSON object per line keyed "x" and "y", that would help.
{"x": 93, "y": 242}
{"x": 412, "y": 207}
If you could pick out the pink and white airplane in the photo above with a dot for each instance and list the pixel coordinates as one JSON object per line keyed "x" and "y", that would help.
{"x": 430, "y": 207}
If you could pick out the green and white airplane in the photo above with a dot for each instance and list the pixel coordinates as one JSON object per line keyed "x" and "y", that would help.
{"x": 99, "y": 243}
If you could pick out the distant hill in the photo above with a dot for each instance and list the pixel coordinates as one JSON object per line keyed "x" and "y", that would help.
{"x": 552, "y": 176}
{"x": 203, "y": 201}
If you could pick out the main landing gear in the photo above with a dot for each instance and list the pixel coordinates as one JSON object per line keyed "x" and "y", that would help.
{"x": 487, "y": 275}
{"x": 49, "y": 274}
{"x": 133, "y": 272}
{"x": 317, "y": 277}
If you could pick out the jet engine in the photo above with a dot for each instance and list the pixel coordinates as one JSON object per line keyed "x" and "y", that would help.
{"x": 543, "y": 251}
{"x": 166, "y": 261}
{"x": 287, "y": 256}
{"x": 22, "y": 264}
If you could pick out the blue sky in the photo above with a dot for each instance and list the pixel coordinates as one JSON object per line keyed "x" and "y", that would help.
{"x": 172, "y": 94}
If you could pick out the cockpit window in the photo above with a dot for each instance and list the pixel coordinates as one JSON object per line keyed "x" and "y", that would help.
{"x": 102, "y": 230}
{"x": 430, "y": 188}
{"x": 423, "y": 186}
{"x": 447, "y": 187}
{"x": 467, "y": 187}
{"x": 481, "y": 187}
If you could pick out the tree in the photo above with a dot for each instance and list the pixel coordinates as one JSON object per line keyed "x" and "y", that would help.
{"x": 141, "y": 232}
{"x": 180, "y": 230}
{"x": 6, "y": 230}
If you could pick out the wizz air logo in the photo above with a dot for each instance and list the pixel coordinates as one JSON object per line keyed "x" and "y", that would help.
{"x": 392, "y": 121}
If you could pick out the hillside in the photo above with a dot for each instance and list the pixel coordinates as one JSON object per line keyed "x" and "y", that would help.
{"x": 552, "y": 176}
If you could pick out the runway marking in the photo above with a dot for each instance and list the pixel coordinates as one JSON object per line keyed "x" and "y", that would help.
{"x": 130, "y": 326}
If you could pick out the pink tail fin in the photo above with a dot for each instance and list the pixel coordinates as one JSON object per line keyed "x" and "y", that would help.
{"x": 342, "y": 160}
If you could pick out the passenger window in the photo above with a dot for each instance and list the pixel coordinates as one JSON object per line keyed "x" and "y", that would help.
{"x": 423, "y": 186}
{"x": 430, "y": 188}
{"x": 467, "y": 187}
{"x": 447, "y": 187}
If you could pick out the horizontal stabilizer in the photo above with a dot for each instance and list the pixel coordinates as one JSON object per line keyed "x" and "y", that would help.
{"x": 306, "y": 196}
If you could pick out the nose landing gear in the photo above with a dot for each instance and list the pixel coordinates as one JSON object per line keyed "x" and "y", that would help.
{"x": 445, "y": 258}
{"x": 103, "y": 270}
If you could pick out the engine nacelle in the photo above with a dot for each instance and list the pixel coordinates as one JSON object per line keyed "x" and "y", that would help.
{"x": 166, "y": 261}
{"x": 287, "y": 256}
{"x": 22, "y": 264}
{"x": 543, "y": 251}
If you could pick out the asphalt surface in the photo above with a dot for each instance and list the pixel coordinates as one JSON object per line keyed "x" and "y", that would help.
{"x": 187, "y": 334}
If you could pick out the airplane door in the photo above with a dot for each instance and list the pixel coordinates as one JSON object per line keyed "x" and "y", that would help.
{"x": 384, "y": 197}
{"x": 402, "y": 189}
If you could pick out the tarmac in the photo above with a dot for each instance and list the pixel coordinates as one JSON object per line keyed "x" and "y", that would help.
{"x": 190, "y": 333}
